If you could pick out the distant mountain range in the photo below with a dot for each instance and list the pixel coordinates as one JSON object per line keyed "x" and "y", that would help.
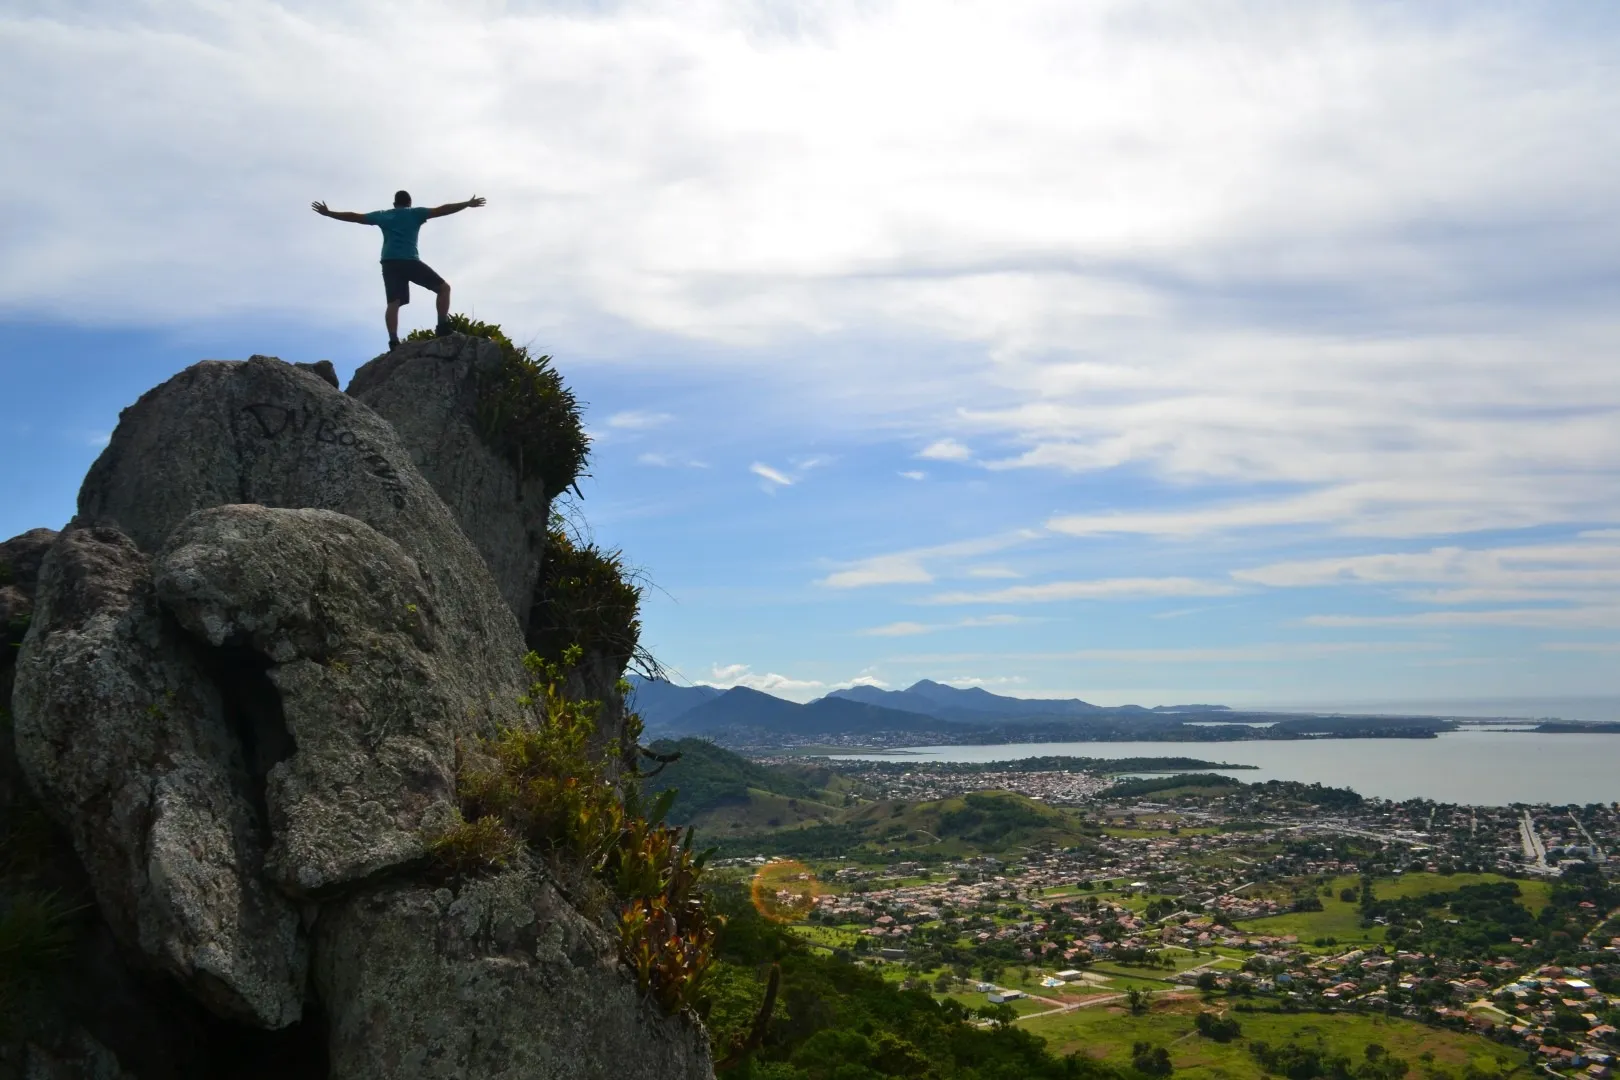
{"x": 924, "y": 706}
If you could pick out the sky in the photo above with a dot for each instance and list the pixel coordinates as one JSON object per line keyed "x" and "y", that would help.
{"x": 1240, "y": 352}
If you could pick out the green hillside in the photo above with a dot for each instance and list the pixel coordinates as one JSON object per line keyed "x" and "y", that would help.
{"x": 719, "y": 789}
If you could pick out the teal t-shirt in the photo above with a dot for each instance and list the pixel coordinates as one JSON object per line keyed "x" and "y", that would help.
{"x": 399, "y": 228}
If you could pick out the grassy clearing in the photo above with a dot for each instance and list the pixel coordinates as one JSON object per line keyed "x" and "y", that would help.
{"x": 828, "y": 937}
{"x": 1341, "y": 920}
{"x": 1108, "y": 1031}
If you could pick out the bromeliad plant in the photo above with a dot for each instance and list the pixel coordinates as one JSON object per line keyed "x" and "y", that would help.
{"x": 544, "y": 791}
{"x": 665, "y": 932}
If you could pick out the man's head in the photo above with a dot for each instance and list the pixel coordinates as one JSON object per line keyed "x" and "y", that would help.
{"x": 402, "y": 198}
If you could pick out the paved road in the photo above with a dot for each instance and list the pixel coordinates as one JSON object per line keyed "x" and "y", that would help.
{"x": 1533, "y": 847}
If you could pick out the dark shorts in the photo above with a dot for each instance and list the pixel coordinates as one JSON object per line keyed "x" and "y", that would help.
{"x": 399, "y": 273}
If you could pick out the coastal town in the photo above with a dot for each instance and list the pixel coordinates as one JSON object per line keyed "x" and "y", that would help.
{"x": 1498, "y": 922}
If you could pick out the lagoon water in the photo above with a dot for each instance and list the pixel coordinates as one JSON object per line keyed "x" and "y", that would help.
{"x": 1482, "y": 767}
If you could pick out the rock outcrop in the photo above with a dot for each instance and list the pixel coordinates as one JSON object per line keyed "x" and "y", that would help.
{"x": 247, "y": 666}
{"x": 131, "y": 743}
{"x": 504, "y": 981}
{"x": 429, "y": 391}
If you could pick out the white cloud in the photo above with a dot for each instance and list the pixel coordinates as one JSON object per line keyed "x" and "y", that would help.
{"x": 1098, "y": 589}
{"x": 1592, "y": 618}
{"x": 1582, "y": 646}
{"x": 770, "y": 475}
{"x": 638, "y": 420}
{"x": 992, "y": 572}
{"x": 1269, "y": 653}
{"x": 729, "y": 675}
{"x": 866, "y": 680}
{"x": 1582, "y": 577}
{"x": 965, "y": 681}
{"x": 909, "y": 629}
{"x": 669, "y": 461}
{"x": 945, "y": 450}
{"x": 882, "y": 570}
{"x": 908, "y": 567}
{"x": 914, "y": 474}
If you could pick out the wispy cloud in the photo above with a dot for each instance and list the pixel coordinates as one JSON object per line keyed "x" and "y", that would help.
{"x": 669, "y": 461}
{"x": 881, "y": 570}
{"x": 1098, "y": 589}
{"x": 638, "y": 420}
{"x": 910, "y": 567}
{"x": 771, "y": 475}
{"x": 1594, "y": 618}
{"x": 909, "y": 629}
{"x": 914, "y": 474}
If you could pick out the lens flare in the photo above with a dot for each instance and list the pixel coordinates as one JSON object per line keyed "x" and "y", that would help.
{"x": 785, "y": 891}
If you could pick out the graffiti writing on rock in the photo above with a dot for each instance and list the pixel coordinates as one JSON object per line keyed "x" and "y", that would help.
{"x": 274, "y": 421}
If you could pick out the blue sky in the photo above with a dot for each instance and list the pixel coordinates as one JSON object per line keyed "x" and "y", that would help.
{"x": 1242, "y": 352}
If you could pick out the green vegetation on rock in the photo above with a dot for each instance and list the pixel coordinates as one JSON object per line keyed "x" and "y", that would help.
{"x": 585, "y": 597}
{"x": 542, "y": 792}
{"x": 525, "y": 412}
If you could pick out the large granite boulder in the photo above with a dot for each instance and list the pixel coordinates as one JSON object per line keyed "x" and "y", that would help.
{"x": 371, "y": 702}
{"x": 261, "y": 431}
{"x": 429, "y": 391}
{"x": 505, "y": 981}
{"x": 136, "y": 749}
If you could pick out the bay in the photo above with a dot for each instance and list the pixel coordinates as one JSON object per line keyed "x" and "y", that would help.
{"x": 1471, "y": 766}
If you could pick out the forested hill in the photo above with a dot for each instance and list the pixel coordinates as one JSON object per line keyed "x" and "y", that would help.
{"x": 708, "y": 777}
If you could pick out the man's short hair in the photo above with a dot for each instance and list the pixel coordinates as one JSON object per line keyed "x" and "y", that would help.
{"x": 402, "y": 198}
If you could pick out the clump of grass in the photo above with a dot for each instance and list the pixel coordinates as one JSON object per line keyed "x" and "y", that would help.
{"x": 8, "y": 574}
{"x": 584, "y": 597}
{"x": 525, "y": 413}
{"x": 469, "y": 848}
{"x": 544, "y": 792}
{"x": 36, "y": 932}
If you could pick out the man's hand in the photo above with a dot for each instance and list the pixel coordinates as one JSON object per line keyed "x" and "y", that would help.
{"x": 338, "y": 215}
{"x": 455, "y": 207}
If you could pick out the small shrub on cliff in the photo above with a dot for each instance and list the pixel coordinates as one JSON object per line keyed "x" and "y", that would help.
{"x": 525, "y": 413}
{"x": 544, "y": 790}
{"x": 584, "y": 597}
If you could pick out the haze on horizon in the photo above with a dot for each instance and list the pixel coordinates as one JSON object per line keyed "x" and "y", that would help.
{"x": 1191, "y": 351}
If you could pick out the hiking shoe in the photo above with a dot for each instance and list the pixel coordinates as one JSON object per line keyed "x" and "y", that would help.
{"x": 443, "y": 329}
{"x": 393, "y": 343}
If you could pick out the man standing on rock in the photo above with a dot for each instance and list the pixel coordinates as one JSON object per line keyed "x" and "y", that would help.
{"x": 400, "y": 263}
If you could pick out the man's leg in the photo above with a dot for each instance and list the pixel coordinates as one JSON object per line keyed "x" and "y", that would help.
{"x": 444, "y": 307}
{"x": 392, "y": 319}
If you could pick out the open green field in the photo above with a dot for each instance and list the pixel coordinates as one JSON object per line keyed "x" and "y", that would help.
{"x": 830, "y": 937}
{"x": 1533, "y": 894}
{"x": 1341, "y": 920}
{"x": 1108, "y": 1032}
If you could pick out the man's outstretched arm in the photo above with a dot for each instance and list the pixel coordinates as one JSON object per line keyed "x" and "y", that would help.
{"x": 340, "y": 215}
{"x": 455, "y": 207}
